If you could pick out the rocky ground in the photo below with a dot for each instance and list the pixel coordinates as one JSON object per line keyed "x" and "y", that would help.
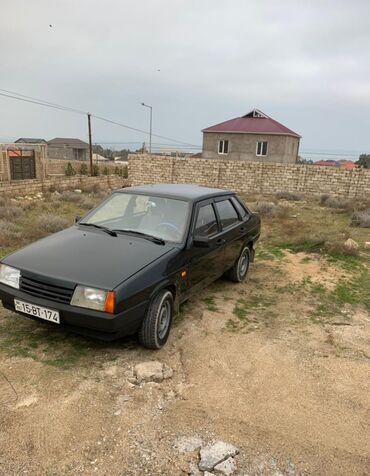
{"x": 274, "y": 393}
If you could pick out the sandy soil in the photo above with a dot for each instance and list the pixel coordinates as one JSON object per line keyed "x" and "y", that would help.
{"x": 292, "y": 395}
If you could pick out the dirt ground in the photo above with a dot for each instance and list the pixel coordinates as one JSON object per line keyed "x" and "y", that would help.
{"x": 253, "y": 365}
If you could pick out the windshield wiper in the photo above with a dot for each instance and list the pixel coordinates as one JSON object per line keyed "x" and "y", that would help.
{"x": 154, "y": 239}
{"x": 100, "y": 227}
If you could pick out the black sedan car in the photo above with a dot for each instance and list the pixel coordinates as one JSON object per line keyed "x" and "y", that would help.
{"x": 128, "y": 264}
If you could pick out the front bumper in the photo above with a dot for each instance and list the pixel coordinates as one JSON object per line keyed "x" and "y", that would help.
{"x": 88, "y": 322}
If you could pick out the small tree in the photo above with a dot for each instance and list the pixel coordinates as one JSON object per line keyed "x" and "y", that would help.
{"x": 116, "y": 170}
{"x": 83, "y": 169}
{"x": 125, "y": 172}
{"x": 105, "y": 171}
{"x": 95, "y": 170}
{"x": 70, "y": 171}
{"x": 364, "y": 161}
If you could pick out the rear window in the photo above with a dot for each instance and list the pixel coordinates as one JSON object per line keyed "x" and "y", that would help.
{"x": 242, "y": 211}
{"x": 227, "y": 213}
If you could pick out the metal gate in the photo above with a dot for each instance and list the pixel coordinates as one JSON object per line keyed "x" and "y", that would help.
{"x": 22, "y": 164}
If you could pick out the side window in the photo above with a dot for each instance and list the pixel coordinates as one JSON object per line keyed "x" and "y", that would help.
{"x": 227, "y": 213}
{"x": 206, "y": 224}
{"x": 242, "y": 211}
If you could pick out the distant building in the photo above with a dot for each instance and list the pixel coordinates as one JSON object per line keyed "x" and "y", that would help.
{"x": 30, "y": 140}
{"x": 253, "y": 137}
{"x": 343, "y": 164}
{"x": 68, "y": 149}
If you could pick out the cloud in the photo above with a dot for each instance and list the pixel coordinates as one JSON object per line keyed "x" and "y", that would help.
{"x": 303, "y": 62}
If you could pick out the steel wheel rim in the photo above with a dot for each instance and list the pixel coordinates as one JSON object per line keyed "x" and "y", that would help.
{"x": 164, "y": 319}
{"x": 243, "y": 264}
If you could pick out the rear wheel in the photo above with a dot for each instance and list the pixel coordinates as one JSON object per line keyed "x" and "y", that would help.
{"x": 156, "y": 325}
{"x": 239, "y": 271}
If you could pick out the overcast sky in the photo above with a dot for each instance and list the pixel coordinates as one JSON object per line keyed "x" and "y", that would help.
{"x": 197, "y": 62}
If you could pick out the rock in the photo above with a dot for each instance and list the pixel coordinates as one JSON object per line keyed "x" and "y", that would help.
{"x": 367, "y": 245}
{"x": 152, "y": 371}
{"x": 167, "y": 371}
{"x": 227, "y": 467}
{"x": 193, "y": 470}
{"x": 212, "y": 455}
{"x": 207, "y": 473}
{"x": 351, "y": 244}
{"x": 117, "y": 413}
{"x": 121, "y": 399}
{"x": 77, "y": 190}
{"x": 188, "y": 444}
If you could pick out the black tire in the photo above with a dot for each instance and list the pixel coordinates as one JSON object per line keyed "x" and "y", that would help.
{"x": 239, "y": 271}
{"x": 152, "y": 334}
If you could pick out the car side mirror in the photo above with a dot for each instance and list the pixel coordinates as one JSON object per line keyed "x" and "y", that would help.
{"x": 201, "y": 241}
{"x": 77, "y": 219}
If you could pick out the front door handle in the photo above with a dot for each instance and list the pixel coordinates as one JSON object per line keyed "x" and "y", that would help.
{"x": 220, "y": 242}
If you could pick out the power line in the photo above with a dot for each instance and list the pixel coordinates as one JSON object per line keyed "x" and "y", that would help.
{"x": 41, "y": 102}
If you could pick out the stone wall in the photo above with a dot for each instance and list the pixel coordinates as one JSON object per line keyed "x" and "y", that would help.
{"x": 250, "y": 177}
{"x": 31, "y": 187}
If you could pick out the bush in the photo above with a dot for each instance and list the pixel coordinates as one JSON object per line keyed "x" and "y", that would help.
{"x": 361, "y": 218}
{"x": 105, "y": 171}
{"x": 83, "y": 169}
{"x": 117, "y": 170}
{"x": 329, "y": 201}
{"x": 95, "y": 170}
{"x": 11, "y": 213}
{"x": 92, "y": 188}
{"x": 71, "y": 197}
{"x": 339, "y": 248}
{"x": 9, "y": 233}
{"x": 69, "y": 171}
{"x": 87, "y": 203}
{"x": 50, "y": 223}
{"x": 125, "y": 172}
{"x": 295, "y": 197}
{"x": 270, "y": 209}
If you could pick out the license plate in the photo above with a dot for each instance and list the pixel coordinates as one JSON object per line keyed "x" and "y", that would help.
{"x": 37, "y": 311}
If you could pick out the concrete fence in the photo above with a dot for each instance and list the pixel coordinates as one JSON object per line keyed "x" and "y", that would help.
{"x": 250, "y": 177}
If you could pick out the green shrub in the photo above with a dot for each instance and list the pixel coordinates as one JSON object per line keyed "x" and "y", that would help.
{"x": 105, "y": 171}
{"x": 83, "y": 169}
{"x": 70, "y": 171}
{"x": 95, "y": 170}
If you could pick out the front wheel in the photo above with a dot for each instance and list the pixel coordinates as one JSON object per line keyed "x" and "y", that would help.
{"x": 240, "y": 269}
{"x": 156, "y": 325}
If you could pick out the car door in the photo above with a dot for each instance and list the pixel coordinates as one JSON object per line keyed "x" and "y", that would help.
{"x": 205, "y": 263}
{"x": 233, "y": 229}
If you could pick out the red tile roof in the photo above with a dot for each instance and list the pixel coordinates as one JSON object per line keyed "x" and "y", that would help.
{"x": 255, "y": 122}
{"x": 330, "y": 163}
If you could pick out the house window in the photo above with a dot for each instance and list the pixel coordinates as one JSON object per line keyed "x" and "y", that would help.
{"x": 223, "y": 147}
{"x": 261, "y": 148}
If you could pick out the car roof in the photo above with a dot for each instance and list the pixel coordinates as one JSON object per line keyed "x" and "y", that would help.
{"x": 188, "y": 192}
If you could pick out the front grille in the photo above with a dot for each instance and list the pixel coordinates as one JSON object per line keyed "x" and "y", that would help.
{"x": 46, "y": 291}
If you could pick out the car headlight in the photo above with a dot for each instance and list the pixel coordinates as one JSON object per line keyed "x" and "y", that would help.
{"x": 92, "y": 298}
{"x": 9, "y": 276}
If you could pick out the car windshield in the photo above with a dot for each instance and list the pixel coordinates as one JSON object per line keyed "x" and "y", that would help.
{"x": 165, "y": 218}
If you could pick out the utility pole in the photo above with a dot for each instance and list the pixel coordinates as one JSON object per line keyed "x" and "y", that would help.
{"x": 90, "y": 144}
{"x": 151, "y": 120}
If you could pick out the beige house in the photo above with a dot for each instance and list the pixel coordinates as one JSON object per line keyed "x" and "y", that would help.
{"x": 255, "y": 137}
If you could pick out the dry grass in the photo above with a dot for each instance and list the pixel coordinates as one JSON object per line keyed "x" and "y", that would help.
{"x": 11, "y": 212}
{"x": 9, "y": 233}
{"x": 71, "y": 197}
{"x": 87, "y": 203}
{"x": 291, "y": 196}
{"x": 50, "y": 223}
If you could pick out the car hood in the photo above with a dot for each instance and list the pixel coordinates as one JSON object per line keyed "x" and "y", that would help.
{"x": 87, "y": 256}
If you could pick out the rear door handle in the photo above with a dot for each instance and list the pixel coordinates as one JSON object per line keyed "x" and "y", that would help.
{"x": 220, "y": 242}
